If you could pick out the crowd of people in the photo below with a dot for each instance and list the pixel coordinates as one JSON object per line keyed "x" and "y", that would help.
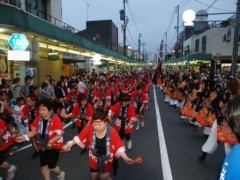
{"x": 209, "y": 102}
{"x": 103, "y": 108}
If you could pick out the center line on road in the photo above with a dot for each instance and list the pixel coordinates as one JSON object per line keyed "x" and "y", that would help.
{"x": 166, "y": 169}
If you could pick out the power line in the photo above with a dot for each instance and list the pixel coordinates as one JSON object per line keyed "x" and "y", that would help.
{"x": 110, "y": 13}
{"x": 106, "y": 9}
{"x": 100, "y": 9}
{"x": 171, "y": 21}
{"x": 207, "y": 5}
{"x": 173, "y": 37}
{"x": 130, "y": 43}
{"x": 184, "y": 3}
{"x": 130, "y": 34}
{"x": 211, "y": 4}
{"x": 133, "y": 18}
{"x": 169, "y": 25}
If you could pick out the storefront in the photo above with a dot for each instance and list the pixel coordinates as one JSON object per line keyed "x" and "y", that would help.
{"x": 47, "y": 45}
{"x": 39, "y": 64}
{"x": 196, "y": 63}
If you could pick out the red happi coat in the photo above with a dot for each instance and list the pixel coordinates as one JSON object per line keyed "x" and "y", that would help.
{"x": 26, "y": 112}
{"x": 130, "y": 117}
{"x": 143, "y": 99}
{"x": 124, "y": 86}
{"x": 132, "y": 82}
{"x": 99, "y": 95}
{"x": 146, "y": 88}
{"x": 6, "y": 138}
{"x": 85, "y": 138}
{"x": 76, "y": 113}
{"x": 108, "y": 93}
{"x": 115, "y": 92}
{"x": 55, "y": 128}
{"x": 72, "y": 97}
{"x": 94, "y": 92}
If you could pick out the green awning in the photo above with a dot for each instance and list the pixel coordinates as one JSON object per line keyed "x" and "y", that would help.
{"x": 193, "y": 57}
{"x": 14, "y": 16}
{"x": 202, "y": 57}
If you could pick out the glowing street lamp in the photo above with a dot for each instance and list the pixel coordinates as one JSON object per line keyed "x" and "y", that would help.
{"x": 97, "y": 59}
{"x": 188, "y": 17}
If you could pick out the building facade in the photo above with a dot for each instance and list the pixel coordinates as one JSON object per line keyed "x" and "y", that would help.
{"x": 216, "y": 41}
{"x": 104, "y": 32}
{"x": 39, "y": 61}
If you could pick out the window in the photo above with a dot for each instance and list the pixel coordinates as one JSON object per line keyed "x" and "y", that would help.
{"x": 204, "y": 44}
{"x": 197, "y": 45}
{"x": 37, "y": 8}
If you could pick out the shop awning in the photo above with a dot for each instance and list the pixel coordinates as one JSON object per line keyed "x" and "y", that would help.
{"x": 14, "y": 16}
{"x": 192, "y": 57}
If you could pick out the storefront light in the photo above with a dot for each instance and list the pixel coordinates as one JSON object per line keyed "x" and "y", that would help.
{"x": 4, "y": 37}
{"x": 226, "y": 64}
{"x": 42, "y": 45}
{"x": 63, "y": 45}
{"x": 119, "y": 62}
{"x": 2, "y": 30}
{"x": 86, "y": 54}
{"x": 73, "y": 52}
{"x": 52, "y": 53}
{"x": 110, "y": 59}
{"x": 57, "y": 48}
{"x": 97, "y": 57}
{"x": 98, "y": 62}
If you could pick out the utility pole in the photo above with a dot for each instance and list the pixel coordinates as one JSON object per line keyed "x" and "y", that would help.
{"x": 139, "y": 45}
{"x": 125, "y": 21}
{"x": 236, "y": 39}
{"x": 143, "y": 44}
{"x": 166, "y": 43}
{"x": 177, "y": 28}
{"x": 87, "y": 10}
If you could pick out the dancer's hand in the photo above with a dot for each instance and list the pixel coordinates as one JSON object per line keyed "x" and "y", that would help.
{"x": 129, "y": 161}
{"x": 19, "y": 139}
{"x": 67, "y": 147}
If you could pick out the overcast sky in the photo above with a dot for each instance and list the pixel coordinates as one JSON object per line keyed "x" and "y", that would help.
{"x": 149, "y": 17}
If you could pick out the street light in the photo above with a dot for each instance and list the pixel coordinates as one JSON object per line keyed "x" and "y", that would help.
{"x": 2, "y": 30}
{"x": 188, "y": 17}
{"x": 97, "y": 59}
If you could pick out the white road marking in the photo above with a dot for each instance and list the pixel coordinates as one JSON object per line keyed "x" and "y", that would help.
{"x": 166, "y": 169}
{"x": 30, "y": 145}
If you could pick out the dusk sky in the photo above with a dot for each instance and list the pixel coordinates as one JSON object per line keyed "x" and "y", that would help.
{"x": 149, "y": 17}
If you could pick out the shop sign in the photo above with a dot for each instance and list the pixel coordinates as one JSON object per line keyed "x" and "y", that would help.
{"x": 53, "y": 56}
{"x": 18, "y": 42}
{"x": 19, "y": 55}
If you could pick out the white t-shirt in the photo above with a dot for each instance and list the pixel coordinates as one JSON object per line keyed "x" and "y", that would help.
{"x": 17, "y": 117}
{"x": 81, "y": 87}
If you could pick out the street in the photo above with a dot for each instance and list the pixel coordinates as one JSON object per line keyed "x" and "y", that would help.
{"x": 75, "y": 63}
{"x": 183, "y": 146}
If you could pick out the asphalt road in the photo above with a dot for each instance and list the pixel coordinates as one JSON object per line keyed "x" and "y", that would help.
{"x": 183, "y": 147}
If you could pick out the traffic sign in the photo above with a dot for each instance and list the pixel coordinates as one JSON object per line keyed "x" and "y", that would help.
{"x": 18, "y": 42}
